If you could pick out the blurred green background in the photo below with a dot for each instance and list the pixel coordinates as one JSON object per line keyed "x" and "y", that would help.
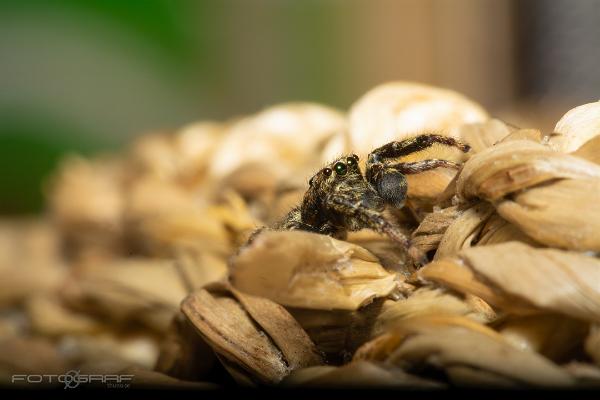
{"x": 87, "y": 76}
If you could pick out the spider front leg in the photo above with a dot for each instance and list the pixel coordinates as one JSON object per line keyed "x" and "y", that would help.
{"x": 422, "y": 166}
{"x": 390, "y": 180}
{"x": 293, "y": 221}
{"x": 389, "y": 183}
{"x": 385, "y": 170}
{"x": 397, "y": 149}
{"x": 371, "y": 218}
{"x": 367, "y": 217}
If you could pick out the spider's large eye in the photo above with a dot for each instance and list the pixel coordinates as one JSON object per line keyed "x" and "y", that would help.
{"x": 311, "y": 181}
{"x": 352, "y": 160}
{"x": 327, "y": 171}
{"x": 340, "y": 168}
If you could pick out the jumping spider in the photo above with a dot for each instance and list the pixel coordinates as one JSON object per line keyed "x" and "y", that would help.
{"x": 341, "y": 199}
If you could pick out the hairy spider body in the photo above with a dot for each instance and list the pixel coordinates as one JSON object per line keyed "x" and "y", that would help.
{"x": 340, "y": 199}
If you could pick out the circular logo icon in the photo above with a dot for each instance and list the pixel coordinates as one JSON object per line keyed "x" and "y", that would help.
{"x": 71, "y": 379}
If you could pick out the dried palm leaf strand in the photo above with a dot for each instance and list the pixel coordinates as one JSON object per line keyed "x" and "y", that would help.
{"x": 427, "y": 301}
{"x": 517, "y": 277}
{"x": 552, "y": 197}
{"x": 576, "y": 127}
{"x": 253, "y": 337}
{"x": 592, "y": 343}
{"x": 468, "y": 352}
{"x": 431, "y": 230}
{"x": 308, "y": 270}
{"x": 563, "y": 214}
{"x": 361, "y": 374}
{"x": 464, "y": 230}
{"x": 515, "y": 165}
{"x": 552, "y": 335}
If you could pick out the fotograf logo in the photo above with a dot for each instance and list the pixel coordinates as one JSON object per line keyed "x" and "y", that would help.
{"x": 73, "y": 379}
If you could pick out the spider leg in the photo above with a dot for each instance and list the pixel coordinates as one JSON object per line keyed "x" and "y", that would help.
{"x": 421, "y": 166}
{"x": 390, "y": 180}
{"x": 391, "y": 185}
{"x": 372, "y": 219}
{"x": 332, "y": 230}
{"x": 293, "y": 221}
{"x": 412, "y": 145}
{"x": 369, "y": 218}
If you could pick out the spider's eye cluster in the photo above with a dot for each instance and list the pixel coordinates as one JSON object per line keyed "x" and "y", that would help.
{"x": 340, "y": 168}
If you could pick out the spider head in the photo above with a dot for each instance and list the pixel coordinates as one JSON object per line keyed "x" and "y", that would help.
{"x": 344, "y": 171}
{"x": 340, "y": 176}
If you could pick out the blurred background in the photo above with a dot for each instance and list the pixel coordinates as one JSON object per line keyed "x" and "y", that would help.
{"x": 87, "y": 76}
